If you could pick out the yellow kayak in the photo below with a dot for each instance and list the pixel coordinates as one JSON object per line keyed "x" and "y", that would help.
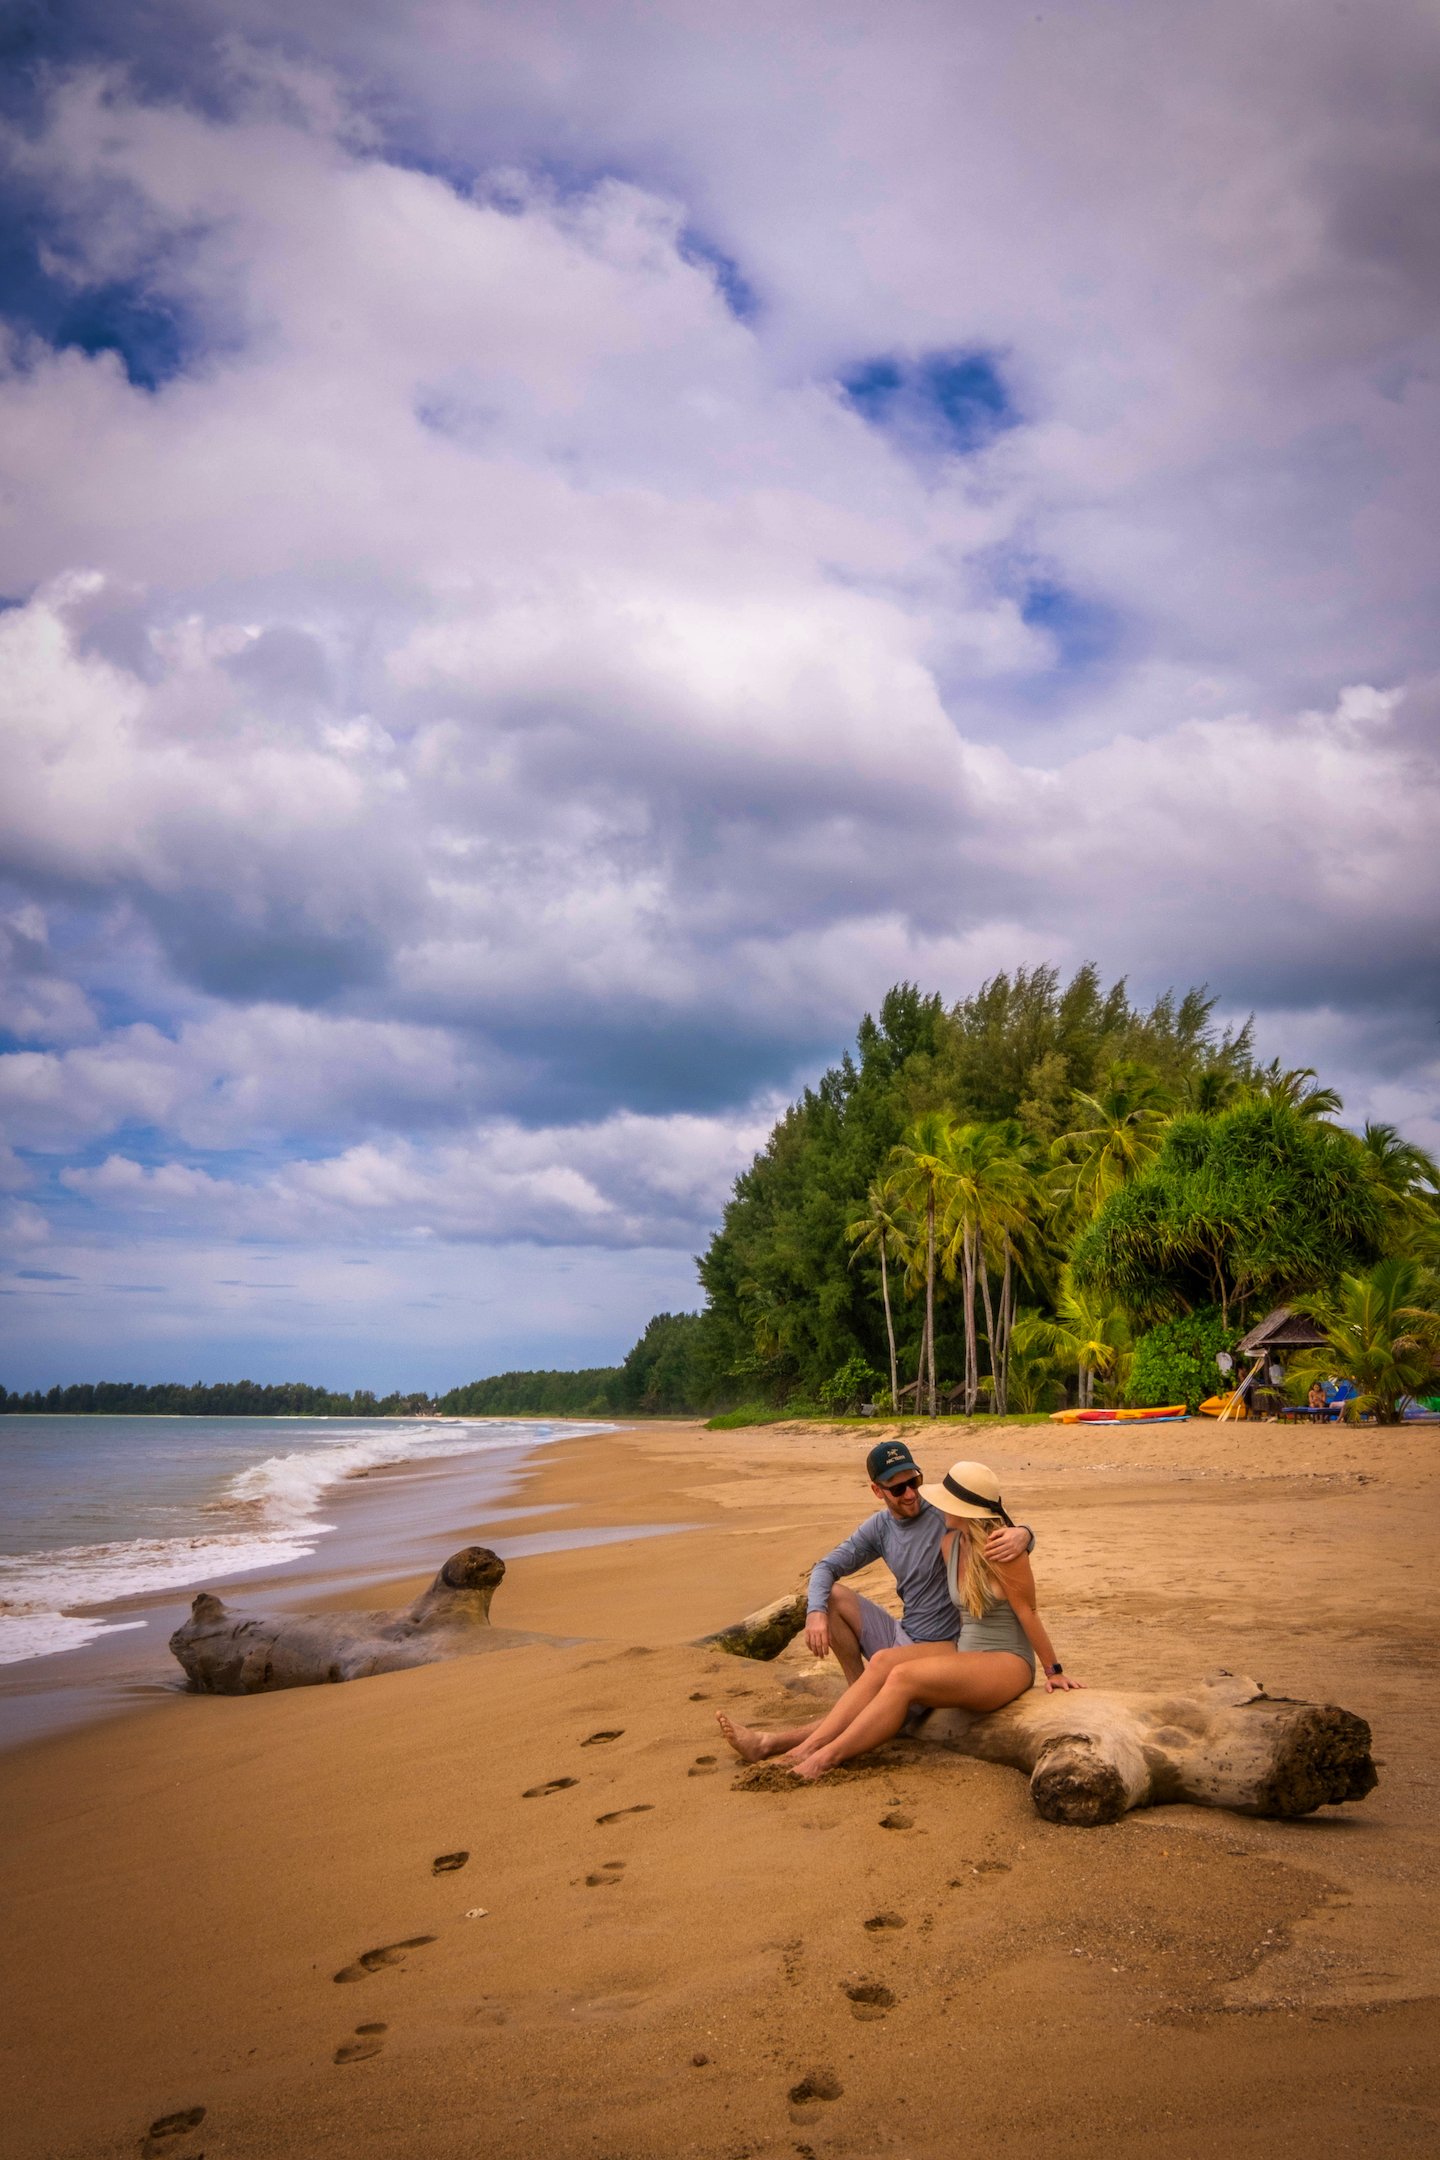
{"x": 1224, "y": 1406}
{"x": 1117, "y": 1417}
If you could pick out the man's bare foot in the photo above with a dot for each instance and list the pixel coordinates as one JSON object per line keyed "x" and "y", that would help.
{"x": 749, "y": 1745}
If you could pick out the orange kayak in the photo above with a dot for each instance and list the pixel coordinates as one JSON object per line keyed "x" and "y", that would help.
{"x": 1117, "y": 1417}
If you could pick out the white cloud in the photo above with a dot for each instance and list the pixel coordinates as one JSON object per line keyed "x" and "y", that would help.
{"x": 497, "y": 711}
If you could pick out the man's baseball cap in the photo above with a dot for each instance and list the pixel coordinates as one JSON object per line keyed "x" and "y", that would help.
{"x": 891, "y": 1459}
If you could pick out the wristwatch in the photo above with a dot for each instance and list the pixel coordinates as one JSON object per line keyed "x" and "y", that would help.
{"x": 1053, "y": 1669}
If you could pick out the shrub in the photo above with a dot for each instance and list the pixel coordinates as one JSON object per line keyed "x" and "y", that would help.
{"x": 857, "y": 1381}
{"x": 1175, "y": 1362}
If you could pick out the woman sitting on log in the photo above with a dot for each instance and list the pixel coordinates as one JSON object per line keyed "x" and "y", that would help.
{"x": 1001, "y": 1637}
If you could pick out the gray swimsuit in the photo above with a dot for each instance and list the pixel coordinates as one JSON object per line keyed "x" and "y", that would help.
{"x": 998, "y": 1629}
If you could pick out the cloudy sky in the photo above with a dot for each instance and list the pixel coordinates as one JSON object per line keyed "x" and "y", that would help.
{"x": 552, "y": 552}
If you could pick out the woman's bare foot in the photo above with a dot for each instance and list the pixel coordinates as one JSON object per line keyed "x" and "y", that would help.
{"x": 749, "y": 1745}
{"x": 810, "y": 1767}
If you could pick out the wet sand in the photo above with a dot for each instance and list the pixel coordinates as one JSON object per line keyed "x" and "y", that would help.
{"x": 665, "y": 1965}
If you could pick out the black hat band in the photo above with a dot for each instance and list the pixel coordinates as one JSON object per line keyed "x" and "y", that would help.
{"x": 975, "y": 1499}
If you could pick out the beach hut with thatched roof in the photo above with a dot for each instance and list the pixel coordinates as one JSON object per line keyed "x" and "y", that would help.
{"x": 1279, "y": 1333}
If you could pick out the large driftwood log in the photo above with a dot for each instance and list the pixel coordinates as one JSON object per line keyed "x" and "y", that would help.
{"x": 226, "y": 1653}
{"x": 1092, "y": 1756}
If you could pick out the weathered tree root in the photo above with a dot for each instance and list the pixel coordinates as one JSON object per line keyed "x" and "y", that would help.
{"x": 225, "y": 1653}
{"x": 1092, "y": 1756}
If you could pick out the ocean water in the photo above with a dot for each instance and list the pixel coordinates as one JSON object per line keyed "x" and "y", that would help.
{"x": 93, "y": 1509}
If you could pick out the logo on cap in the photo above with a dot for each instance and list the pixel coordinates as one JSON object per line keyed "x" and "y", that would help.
{"x": 883, "y": 1462}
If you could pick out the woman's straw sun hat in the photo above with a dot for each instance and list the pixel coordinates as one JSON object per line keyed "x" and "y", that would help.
{"x": 968, "y": 1488}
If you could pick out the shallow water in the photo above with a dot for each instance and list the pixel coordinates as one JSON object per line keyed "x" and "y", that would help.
{"x": 93, "y": 1509}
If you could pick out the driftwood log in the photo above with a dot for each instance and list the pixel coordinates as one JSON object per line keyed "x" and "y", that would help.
{"x": 226, "y": 1653}
{"x": 1092, "y": 1757}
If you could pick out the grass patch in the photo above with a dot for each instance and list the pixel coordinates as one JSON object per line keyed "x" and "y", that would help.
{"x": 766, "y": 1414}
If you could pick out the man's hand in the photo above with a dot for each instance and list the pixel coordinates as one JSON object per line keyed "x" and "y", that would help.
{"x": 817, "y": 1634}
{"x": 1003, "y": 1546}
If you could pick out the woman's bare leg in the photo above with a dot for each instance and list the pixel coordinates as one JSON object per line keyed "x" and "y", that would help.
{"x": 864, "y": 1691}
{"x": 976, "y": 1680}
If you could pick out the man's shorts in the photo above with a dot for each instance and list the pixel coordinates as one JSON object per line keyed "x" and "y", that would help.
{"x": 879, "y": 1630}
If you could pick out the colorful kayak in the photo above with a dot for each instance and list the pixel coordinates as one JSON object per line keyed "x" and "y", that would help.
{"x": 1118, "y": 1417}
{"x": 1226, "y": 1406}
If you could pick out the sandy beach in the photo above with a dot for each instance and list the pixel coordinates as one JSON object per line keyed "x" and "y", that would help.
{"x": 665, "y": 1965}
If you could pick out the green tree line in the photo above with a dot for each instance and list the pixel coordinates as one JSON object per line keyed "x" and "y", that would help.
{"x": 223, "y": 1398}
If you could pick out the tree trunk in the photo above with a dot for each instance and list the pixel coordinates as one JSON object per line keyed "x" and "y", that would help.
{"x": 972, "y": 1353}
{"x": 930, "y": 1290}
{"x": 225, "y": 1653}
{"x": 1007, "y": 1323}
{"x": 984, "y": 1273}
{"x": 889, "y": 1328}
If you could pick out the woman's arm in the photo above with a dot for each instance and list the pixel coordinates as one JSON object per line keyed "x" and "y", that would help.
{"x": 1018, "y": 1583}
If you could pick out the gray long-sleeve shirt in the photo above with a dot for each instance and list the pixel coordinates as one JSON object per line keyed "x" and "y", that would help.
{"x": 911, "y": 1551}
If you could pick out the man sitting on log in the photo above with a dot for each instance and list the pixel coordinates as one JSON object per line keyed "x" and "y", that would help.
{"x": 905, "y": 1533}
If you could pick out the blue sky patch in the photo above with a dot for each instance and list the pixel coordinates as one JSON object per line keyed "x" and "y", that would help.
{"x": 1085, "y": 632}
{"x": 958, "y": 401}
{"x": 149, "y": 332}
{"x": 734, "y": 287}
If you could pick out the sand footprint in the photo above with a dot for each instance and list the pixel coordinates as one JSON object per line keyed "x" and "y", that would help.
{"x": 554, "y": 1784}
{"x": 702, "y": 1766}
{"x": 447, "y": 1862}
{"x": 598, "y": 1739}
{"x": 608, "y": 1873}
{"x": 169, "y": 2136}
{"x": 367, "y": 2042}
{"x": 868, "y": 1998}
{"x": 370, "y": 1961}
{"x": 884, "y": 1920}
{"x": 642, "y": 1807}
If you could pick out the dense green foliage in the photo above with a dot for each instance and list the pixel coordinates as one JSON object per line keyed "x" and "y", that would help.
{"x": 537, "y": 1394}
{"x": 226, "y": 1398}
{"x": 786, "y": 1305}
{"x": 1175, "y": 1362}
{"x": 1255, "y": 1202}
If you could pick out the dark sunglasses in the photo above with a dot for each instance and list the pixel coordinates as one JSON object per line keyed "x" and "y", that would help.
{"x": 901, "y": 1486}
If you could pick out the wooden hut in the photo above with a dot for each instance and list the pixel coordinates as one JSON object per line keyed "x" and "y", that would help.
{"x": 1279, "y": 1333}
{"x": 1271, "y": 1341}
{"x": 949, "y": 1397}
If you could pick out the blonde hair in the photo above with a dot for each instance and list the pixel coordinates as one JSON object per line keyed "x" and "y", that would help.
{"x": 978, "y": 1587}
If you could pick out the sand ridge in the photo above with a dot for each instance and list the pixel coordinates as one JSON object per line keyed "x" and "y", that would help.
{"x": 241, "y": 1906}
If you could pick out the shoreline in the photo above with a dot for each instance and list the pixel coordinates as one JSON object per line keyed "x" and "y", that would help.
{"x": 349, "y": 1539}
{"x": 663, "y": 1960}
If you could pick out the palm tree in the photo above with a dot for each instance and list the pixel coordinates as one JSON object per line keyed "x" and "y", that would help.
{"x": 991, "y": 1197}
{"x": 1093, "y": 1332}
{"x": 1383, "y": 1334}
{"x": 1408, "y": 1178}
{"x": 1299, "y": 1088}
{"x": 1118, "y": 1135}
{"x": 883, "y": 1229}
{"x": 1032, "y": 1378}
{"x": 1211, "y": 1088}
{"x": 923, "y": 1160}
